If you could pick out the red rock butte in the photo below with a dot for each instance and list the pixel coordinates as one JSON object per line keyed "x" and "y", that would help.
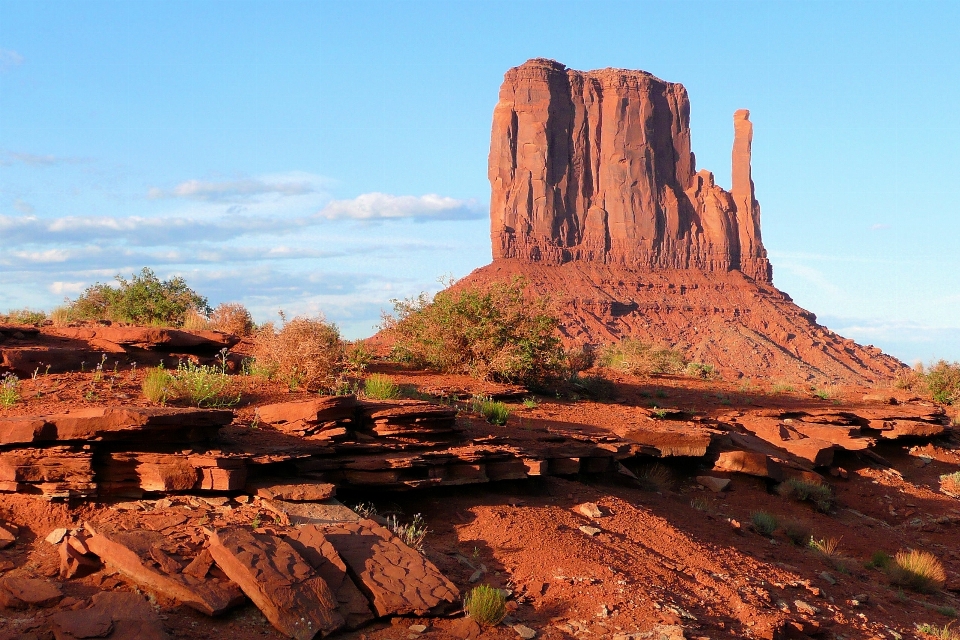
{"x": 597, "y": 202}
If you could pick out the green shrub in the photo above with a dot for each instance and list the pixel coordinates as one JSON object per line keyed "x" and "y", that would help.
{"x": 490, "y": 332}
{"x": 24, "y": 316}
{"x": 486, "y": 605}
{"x": 764, "y": 523}
{"x": 305, "y": 352}
{"x": 495, "y": 412}
{"x": 803, "y": 490}
{"x": 380, "y": 387}
{"x": 879, "y": 560}
{"x": 940, "y": 633}
{"x": 143, "y": 300}
{"x": 918, "y": 570}
{"x": 530, "y": 403}
{"x": 192, "y": 384}
{"x": 641, "y": 359}
{"x": 700, "y": 370}
{"x": 797, "y": 531}
{"x": 9, "y": 390}
{"x": 157, "y": 385}
{"x": 941, "y": 380}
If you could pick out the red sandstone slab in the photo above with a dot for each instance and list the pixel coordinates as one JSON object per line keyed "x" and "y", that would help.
{"x": 129, "y": 551}
{"x": 669, "y": 442}
{"x": 396, "y": 579}
{"x": 313, "y": 546}
{"x": 317, "y": 410}
{"x": 18, "y": 592}
{"x": 750, "y": 463}
{"x": 290, "y": 593}
{"x": 294, "y": 491}
{"x": 124, "y": 615}
{"x": 148, "y": 337}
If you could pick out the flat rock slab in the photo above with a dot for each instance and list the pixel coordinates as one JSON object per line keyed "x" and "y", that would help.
{"x": 314, "y": 547}
{"x": 396, "y": 579}
{"x": 289, "y": 592}
{"x": 149, "y": 337}
{"x": 124, "y": 616}
{"x": 133, "y": 553}
{"x": 671, "y": 441}
{"x": 299, "y": 513}
{"x": 714, "y": 484}
{"x": 784, "y": 435}
{"x": 750, "y": 463}
{"x": 317, "y": 410}
{"x": 296, "y": 492}
{"x": 18, "y": 592}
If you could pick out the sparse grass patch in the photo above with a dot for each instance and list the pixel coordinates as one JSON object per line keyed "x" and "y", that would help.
{"x": 365, "y": 509}
{"x": 530, "y": 403}
{"x": 192, "y": 384}
{"x": 782, "y": 387}
{"x": 305, "y": 352}
{"x": 797, "y": 531}
{"x": 700, "y": 370}
{"x": 917, "y": 570}
{"x": 596, "y": 386}
{"x": 879, "y": 560}
{"x": 380, "y": 387}
{"x": 940, "y": 633}
{"x": 817, "y": 493}
{"x": 493, "y": 411}
{"x": 412, "y": 533}
{"x": 9, "y": 390}
{"x": 492, "y": 332}
{"x": 764, "y": 523}
{"x": 950, "y": 484}
{"x": 24, "y": 316}
{"x": 157, "y": 385}
{"x": 642, "y": 359}
{"x": 656, "y": 477}
{"x": 700, "y": 504}
{"x": 486, "y": 605}
{"x": 827, "y": 548}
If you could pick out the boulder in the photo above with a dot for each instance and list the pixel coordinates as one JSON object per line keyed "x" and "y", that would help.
{"x": 291, "y": 594}
{"x": 750, "y": 463}
{"x": 714, "y": 484}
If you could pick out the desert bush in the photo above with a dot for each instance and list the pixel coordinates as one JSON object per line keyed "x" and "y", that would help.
{"x": 61, "y": 316}
{"x": 700, "y": 370}
{"x": 486, "y": 605}
{"x": 580, "y": 359}
{"x": 493, "y": 411}
{"x": 380, "y": 387}
{"x": 764, "y": 523}
{"x": 941, "y": 380}
{"x": 940, "y": 633}
{"x": 917, "y": 570}
{"x": 597, "y": 387}
{"x": 24, "y": 316}
{"x": 879, "y": 560}
{"x": 490, "y": 332}
{"x": 642, "y": 359}
{"x": 143, "y": 300}
{"x": 803, "y": 490}
{"x": 192, "y": 384}
{"x": 358, "y": 357}
{"x": 828, "y": 548}
{"x": 797, "y": 531}
{"x": 193, "y": 320}
{"x": 412, "y": 533}
{"x": 9, "y": 390}
{"x": 305, "y": 352}
{"x": 950, "y": 484}
{"x": 232, "y": 317}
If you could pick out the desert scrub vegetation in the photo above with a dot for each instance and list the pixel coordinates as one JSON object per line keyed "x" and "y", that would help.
{"x": 144, "y": 299}
{"x": 826, "y": 548}
{"x": 797, "y": 531}
{"x": 196, "y": 385}
{"x": 485, "y": 604}
{"x": 917, "y": 570}
{"x": 641, "y": 359}
{"x": 493, "y": 332}
{"x": 9, "y": 390}
{"x": 940, "y": 633}
{"x": 950, "y": 484}
{"x": 380, "y": 387}
{"x": 304, "y": 353}
{"x": 656, "y": 477}
{"x": 411, "y": 533}
{"x": 232, "y": 317}
{"x": 819, "y": 494}
{"x": 493, "y": 411}
{"x": 24, "y": 316}
{"x": 764, "y": 523}
{"x": 940, "y": 380}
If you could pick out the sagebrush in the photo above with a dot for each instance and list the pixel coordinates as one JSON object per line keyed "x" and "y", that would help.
{"x": 493, "y": 332}
{"x": 941, "y": 380}
{"x": 305, "y": 352}
{"x": 232, "y": 317}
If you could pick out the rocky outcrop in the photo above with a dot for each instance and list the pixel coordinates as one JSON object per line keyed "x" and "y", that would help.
{"x": 597, "y": 166}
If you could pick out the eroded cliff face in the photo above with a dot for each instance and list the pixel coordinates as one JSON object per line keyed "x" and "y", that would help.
{"x": 597, "y": 166}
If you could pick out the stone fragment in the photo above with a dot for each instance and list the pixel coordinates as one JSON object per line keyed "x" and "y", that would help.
{"x": 750, "y": 463}
{"x": 17, "y": 592}
{"x": 590, "y": 531}
{"x": 418, "y": 628}
{"x": 396, "y": 579}
{"x": 133, "y": 617}
{"x": 316, "y": 410}
{"x": 805, "y": 608}
{"x": 524, "y": 631}
{"x": 128, "y": 553}
{"x": 827, "y": 577}
{"x": 289, "y": 592}
{"x": 8, "y": 535}
{"x": 590, "y": 509}
{"x": 297, "y": 492}
{"x": 312, "y": 545}
{"x": 672, "y": 441}
{"x": 713, "y": 483}
{"x": 95, "y": 622}
{"x": 75, "y": 563}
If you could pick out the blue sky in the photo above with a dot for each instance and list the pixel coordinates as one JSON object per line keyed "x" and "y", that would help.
{"x": 329, "y": 156}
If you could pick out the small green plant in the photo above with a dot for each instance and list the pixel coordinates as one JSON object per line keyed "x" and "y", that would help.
{"x": 797, "y": 531}
{"x": 365, "y": 509}
{"x": 823, "y": 394}
{"x": 660, "y": 413}
{"x": 940, "y": 633}
{"x": 700, "y": 370}
{"x": 256, "y": 522}
{"x": 380, "y": 387}
{"x": 804, "y": 490}
{"x": 204, "y": 386}
{"x": 493, "y": 411}
{"x": 781, "y": 387}
{"x": 530, "y": 403}
{"x": 9, "y": 390}
{"x": 412, "y": 533}
{"x": 157, "y": 385}
{"x": 358, "y": 357}
{"x": 879, "y": 560}
{"x": 828, "y": 548}
{"x": 486, "y": 605}
{"x": 917, "y": 570}
{"x": 764, "y": 523}
{"x": 946, "y": 611}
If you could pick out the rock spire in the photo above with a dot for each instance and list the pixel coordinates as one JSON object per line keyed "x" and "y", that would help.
{"x": 596, "y": 166}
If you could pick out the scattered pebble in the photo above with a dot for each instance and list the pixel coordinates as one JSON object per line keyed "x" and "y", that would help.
{"x": 524, "y": 631}
{"x": 590, "y": 531}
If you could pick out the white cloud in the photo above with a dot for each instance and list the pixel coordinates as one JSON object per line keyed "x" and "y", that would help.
{"x": 66, "y": 288}
{"x": 9, "y": 59}
{"x": 879, "y": 226}
{"x": 37, "y": 160}
{"x": 373, "y": 206}
{"x": 294, "y": 184}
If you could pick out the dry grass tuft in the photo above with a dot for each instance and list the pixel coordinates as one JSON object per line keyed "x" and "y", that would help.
{"x": 306, "y": 352}
{"x": 485, "y": 604}
{"x": 656, "y": 477}
{"x": 764, "y": 523}
{"x": 950, "y": 484}
{"x": 193, "y": 320}
{"x": 797, "y": 531}
{"x": 917, "y": 570}
{"x": 826, "y": 547}
{"x": 642, "y": 359}
{"x": 232, "y": 317}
